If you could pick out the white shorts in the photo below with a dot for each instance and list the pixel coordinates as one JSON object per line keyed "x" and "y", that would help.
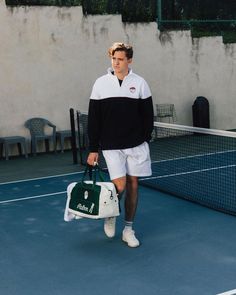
{"x": 133, "y": 161}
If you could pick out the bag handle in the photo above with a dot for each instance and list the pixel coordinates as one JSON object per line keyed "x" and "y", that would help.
{"x": 93, "y": 171}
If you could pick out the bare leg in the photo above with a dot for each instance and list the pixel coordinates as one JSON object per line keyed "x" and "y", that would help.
{"x": 130, "y": 183}
{"x": 131, "y": 198}
{"x": 120, "y": 184}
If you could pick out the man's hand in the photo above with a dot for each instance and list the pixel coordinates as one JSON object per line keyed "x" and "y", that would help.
{"x": 92, "y": 159}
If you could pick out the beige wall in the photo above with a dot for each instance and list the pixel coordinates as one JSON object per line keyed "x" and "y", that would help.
{"x": 50, "y": 57}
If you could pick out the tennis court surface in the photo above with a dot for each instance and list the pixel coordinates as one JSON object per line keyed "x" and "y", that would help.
{"x": 186, "y": 248}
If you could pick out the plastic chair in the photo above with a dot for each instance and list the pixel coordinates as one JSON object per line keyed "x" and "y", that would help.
{"x": 165, "y": 111}
{"x": 6, "y": 142}
{"x": 37, "y": 128}
{"x": 61, "y": 136}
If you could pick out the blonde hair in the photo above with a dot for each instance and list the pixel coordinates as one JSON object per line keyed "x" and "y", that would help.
{"x": 118, "y": 46}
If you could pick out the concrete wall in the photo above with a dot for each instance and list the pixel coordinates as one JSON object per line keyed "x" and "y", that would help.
{"x": 50, "y": 58}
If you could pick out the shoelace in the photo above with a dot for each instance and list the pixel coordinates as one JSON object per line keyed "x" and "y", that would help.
{"x": 110, "y": 222}
{"x": 130, "y": 235}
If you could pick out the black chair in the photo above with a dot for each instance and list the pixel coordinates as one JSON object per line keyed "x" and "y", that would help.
{"x": 165, "y": 111}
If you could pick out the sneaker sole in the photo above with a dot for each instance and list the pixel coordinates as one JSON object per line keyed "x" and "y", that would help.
{"x": 109, "y": 236}
{"x": 131, "y": 246}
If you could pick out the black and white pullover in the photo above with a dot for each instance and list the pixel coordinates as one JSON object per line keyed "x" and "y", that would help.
{"x": 120, "y": 116}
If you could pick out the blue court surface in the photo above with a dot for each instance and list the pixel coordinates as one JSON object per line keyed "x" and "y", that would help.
{"x": 186, "y": 249}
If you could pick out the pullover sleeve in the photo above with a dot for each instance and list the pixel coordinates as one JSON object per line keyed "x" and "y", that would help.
{"x": 94, "y": 119}
{"x": 94, "y": 125}
{"x": 147, "y": 115}
{"x": 147, "y": 111}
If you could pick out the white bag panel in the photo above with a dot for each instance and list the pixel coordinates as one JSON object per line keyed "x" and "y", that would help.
{"x": 108, "y": 202}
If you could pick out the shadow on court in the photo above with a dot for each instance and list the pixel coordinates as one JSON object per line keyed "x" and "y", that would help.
{"x": 186, "y": 249}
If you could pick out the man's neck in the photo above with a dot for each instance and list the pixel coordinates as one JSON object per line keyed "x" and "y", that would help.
{"x": 121, "y": 76}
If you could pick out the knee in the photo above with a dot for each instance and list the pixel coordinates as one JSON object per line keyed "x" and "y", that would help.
{"x": 120, "y": 188}
{"x": 132, "y": 181}
{"x": 120, "y": 184}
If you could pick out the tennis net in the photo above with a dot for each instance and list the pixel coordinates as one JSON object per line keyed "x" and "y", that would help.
{"x": 196, "y": 164}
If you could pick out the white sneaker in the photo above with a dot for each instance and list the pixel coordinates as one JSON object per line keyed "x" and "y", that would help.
{"x": 129, "y": 237}
{"x": 110, "y": 226}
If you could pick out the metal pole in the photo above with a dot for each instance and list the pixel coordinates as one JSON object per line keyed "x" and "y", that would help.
{"x": 73, "y": 137}
{"x": 79, "y": 138}
{"x": 159, "y": 14}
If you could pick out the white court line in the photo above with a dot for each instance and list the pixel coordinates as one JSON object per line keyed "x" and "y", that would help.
{"x": 38, "y": 178}
{"x": 188, "y": 172}
{"x": 33, "y": 197}
{"x": 195, "y": 156}
{"x": 232, "y": 292}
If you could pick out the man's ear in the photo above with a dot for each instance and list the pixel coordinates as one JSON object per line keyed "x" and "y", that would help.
{"x": 130, "y": 60}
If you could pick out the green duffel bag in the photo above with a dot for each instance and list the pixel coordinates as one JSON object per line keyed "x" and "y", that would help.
{"x": 92, "y": 198}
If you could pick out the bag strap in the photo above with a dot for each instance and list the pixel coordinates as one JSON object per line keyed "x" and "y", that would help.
{"x": 100, "y": 173}
{"x": 93, "y": 172}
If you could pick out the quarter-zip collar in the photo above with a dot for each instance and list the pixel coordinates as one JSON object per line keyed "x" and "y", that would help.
{"x": 110, "y": 72}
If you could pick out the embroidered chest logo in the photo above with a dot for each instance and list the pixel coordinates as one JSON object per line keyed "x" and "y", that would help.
{"x": 132, "y": 89}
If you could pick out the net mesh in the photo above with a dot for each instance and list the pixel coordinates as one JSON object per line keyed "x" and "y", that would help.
{"x": 196, "y": 164}
{"x": 193, "y": 163}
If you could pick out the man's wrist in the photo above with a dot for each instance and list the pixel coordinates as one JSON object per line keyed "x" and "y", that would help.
{"x": 93, "y": 150}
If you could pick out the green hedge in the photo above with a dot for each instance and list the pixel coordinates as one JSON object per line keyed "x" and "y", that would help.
{"x": 198, "y": 9}
{"x": 131, "y": 10}
{"x": 101, "y": 6}
{"x": 43, "y": 2}
{"x": 139, "y": 10}
{"x": 145, "y": 10}
{"x": 201, "y": 10}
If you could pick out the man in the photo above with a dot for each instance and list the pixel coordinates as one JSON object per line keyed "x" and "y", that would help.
{"x": 120, "y": 122}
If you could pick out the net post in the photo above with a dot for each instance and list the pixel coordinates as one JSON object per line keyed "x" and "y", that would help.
{"x": 159, "y": 14}
{"x": 73, "y": 137}
{"x": 79, "y": 137}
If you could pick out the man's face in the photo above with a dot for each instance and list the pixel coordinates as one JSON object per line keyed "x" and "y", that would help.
{"x": 120, "y": 63}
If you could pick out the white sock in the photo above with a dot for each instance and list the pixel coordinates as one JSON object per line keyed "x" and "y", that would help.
{"x": 128, "y": 225}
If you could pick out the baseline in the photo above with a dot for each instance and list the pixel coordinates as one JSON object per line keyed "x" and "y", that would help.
{"x": 32, "y": 197}
{"x": 231, "y": 292}
{"x": 39, "y": 178}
